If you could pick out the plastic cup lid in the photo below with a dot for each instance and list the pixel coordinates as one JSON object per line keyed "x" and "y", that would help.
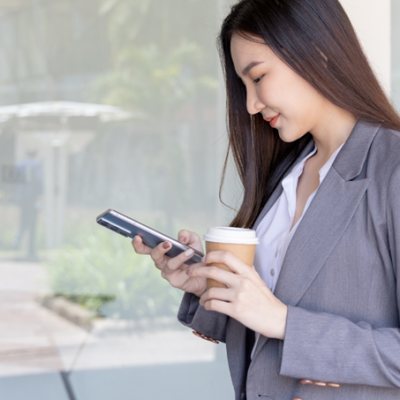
{"x": 220, "y": 234}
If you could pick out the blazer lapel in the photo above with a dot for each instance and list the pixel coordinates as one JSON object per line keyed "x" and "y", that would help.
{"x": 317, "y": 235}
{"x": 326, "y": 218}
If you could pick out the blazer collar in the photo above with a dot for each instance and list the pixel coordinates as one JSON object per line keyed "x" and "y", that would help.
{"x": 351, "y": 158}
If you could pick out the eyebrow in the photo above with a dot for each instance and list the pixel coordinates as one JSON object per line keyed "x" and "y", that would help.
{"x": 250, "y": 66}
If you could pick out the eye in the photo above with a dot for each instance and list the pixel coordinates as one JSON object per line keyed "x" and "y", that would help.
{"x": 258, "y": 79}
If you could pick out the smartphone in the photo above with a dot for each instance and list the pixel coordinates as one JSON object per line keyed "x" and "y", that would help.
{"x": 128, "y": 227}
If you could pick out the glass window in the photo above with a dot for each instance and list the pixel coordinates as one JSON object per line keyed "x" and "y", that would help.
{"x": 105, "y": 104}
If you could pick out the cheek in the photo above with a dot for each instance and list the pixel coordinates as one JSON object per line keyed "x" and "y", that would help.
{"x": 301, "y": 107}
{"x": 295, "y": 92}
{"x": 270, "y": 92}
{"x": 295, "y": 120}
{"x": 281, "y": 95}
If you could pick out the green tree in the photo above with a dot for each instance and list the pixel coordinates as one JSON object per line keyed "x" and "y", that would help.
{"x": 146, "y": 79}
{"x": 157, "y": 78}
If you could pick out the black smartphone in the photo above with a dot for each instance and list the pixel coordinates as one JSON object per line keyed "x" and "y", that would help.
{"x": 128, "y": 227}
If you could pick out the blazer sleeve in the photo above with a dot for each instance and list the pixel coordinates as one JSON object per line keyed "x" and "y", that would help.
{"x": 330, "y": 348}
{"x": 196, "y": 317}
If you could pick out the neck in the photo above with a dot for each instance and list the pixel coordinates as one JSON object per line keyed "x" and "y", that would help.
{"x": 332, "y": 130}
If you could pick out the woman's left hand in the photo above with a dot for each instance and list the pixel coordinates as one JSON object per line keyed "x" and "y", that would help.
{"x": 246, "y": 298}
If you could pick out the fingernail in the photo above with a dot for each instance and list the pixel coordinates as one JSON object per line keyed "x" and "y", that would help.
{"x": 189, "y": 272}
{"x": 165, "y": 245}
{"x": 135, "y": 239}
{"x": 189, "y": 252}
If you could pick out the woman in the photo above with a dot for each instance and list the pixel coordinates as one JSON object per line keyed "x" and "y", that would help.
{"x": 319, "y": 159}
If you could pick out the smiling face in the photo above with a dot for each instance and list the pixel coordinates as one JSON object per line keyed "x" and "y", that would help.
{"x": 275, "y": 90}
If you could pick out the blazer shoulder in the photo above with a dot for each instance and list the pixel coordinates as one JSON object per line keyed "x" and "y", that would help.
{"x": 382, "y": 165}
{"x": 387, "y": 135}
{"x": 393, "y": 134}
{"x": 384, "y": 153}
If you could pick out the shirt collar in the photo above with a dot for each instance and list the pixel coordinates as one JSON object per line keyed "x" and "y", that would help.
{"x": 298, "y": 168}
{"x": 325, "y": 168}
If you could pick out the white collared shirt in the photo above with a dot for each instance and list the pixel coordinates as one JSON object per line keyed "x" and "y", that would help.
{"x": 274, "y": 231}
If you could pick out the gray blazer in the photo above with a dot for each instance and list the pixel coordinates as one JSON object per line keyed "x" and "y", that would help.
{"x": 340, "y": 280}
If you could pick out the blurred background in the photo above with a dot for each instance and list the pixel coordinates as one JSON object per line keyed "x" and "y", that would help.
{"x": 117, "y": 104}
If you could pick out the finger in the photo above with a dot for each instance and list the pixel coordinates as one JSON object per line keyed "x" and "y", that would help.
{"x": 158, "y": 253}
{"x": 186, "y": 237}
{"x": 183, "y": 236}
{"x": 212, "y": 272}
{"x": 176, "y": 279}
{"x": 231, "y": 261}
{"x": 219, "y": 306}
{"x": 191, "y": 239}
{"x": 217, "y": 294}
{"x": 139, "y": 247}
{"x": 178, "y": 262}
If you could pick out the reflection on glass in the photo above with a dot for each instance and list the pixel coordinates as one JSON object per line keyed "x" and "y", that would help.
{"x": 104, "y": 104}
{"x": 28, "y": 190}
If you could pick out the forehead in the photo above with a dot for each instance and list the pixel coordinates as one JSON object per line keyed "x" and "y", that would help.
{"x": 245, "y": 51}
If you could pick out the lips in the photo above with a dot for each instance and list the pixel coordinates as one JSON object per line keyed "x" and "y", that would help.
{"x": 272, "y": 120}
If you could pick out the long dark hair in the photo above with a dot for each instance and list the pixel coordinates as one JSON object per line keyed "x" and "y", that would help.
{"x": 316, "y": 39}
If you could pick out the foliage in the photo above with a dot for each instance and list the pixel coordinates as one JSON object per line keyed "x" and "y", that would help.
{"x": 104, "y": 267}
{"x": 160, "y": 69}
{"x": 155, "y": 82}
{"x": 126, "y": 18}
{"x": 131, "y": 22}
{"x": 155, "y": 71}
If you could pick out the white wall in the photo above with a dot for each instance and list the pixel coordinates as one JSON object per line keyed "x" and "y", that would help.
{"x": 372, "y": 22}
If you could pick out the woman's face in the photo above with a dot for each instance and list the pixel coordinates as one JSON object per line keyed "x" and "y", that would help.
{"x": 275, "y": 90}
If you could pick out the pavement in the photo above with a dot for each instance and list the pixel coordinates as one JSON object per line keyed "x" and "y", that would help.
{"x": 45, "y": 357}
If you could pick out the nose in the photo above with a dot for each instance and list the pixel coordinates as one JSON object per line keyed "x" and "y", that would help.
{"x": 253, "y": 104}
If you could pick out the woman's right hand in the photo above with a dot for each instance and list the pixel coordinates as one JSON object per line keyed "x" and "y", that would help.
{"x": 174, "y": 269}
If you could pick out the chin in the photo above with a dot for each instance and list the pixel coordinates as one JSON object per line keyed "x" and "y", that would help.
{"x": 289, "y": 137}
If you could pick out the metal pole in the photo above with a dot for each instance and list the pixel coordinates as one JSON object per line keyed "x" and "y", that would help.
{"x": 49, "y": 193}
{"x": 68, "y": 387}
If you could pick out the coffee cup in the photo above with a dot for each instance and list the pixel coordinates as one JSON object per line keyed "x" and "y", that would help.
{"x": 240, "y": 242}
